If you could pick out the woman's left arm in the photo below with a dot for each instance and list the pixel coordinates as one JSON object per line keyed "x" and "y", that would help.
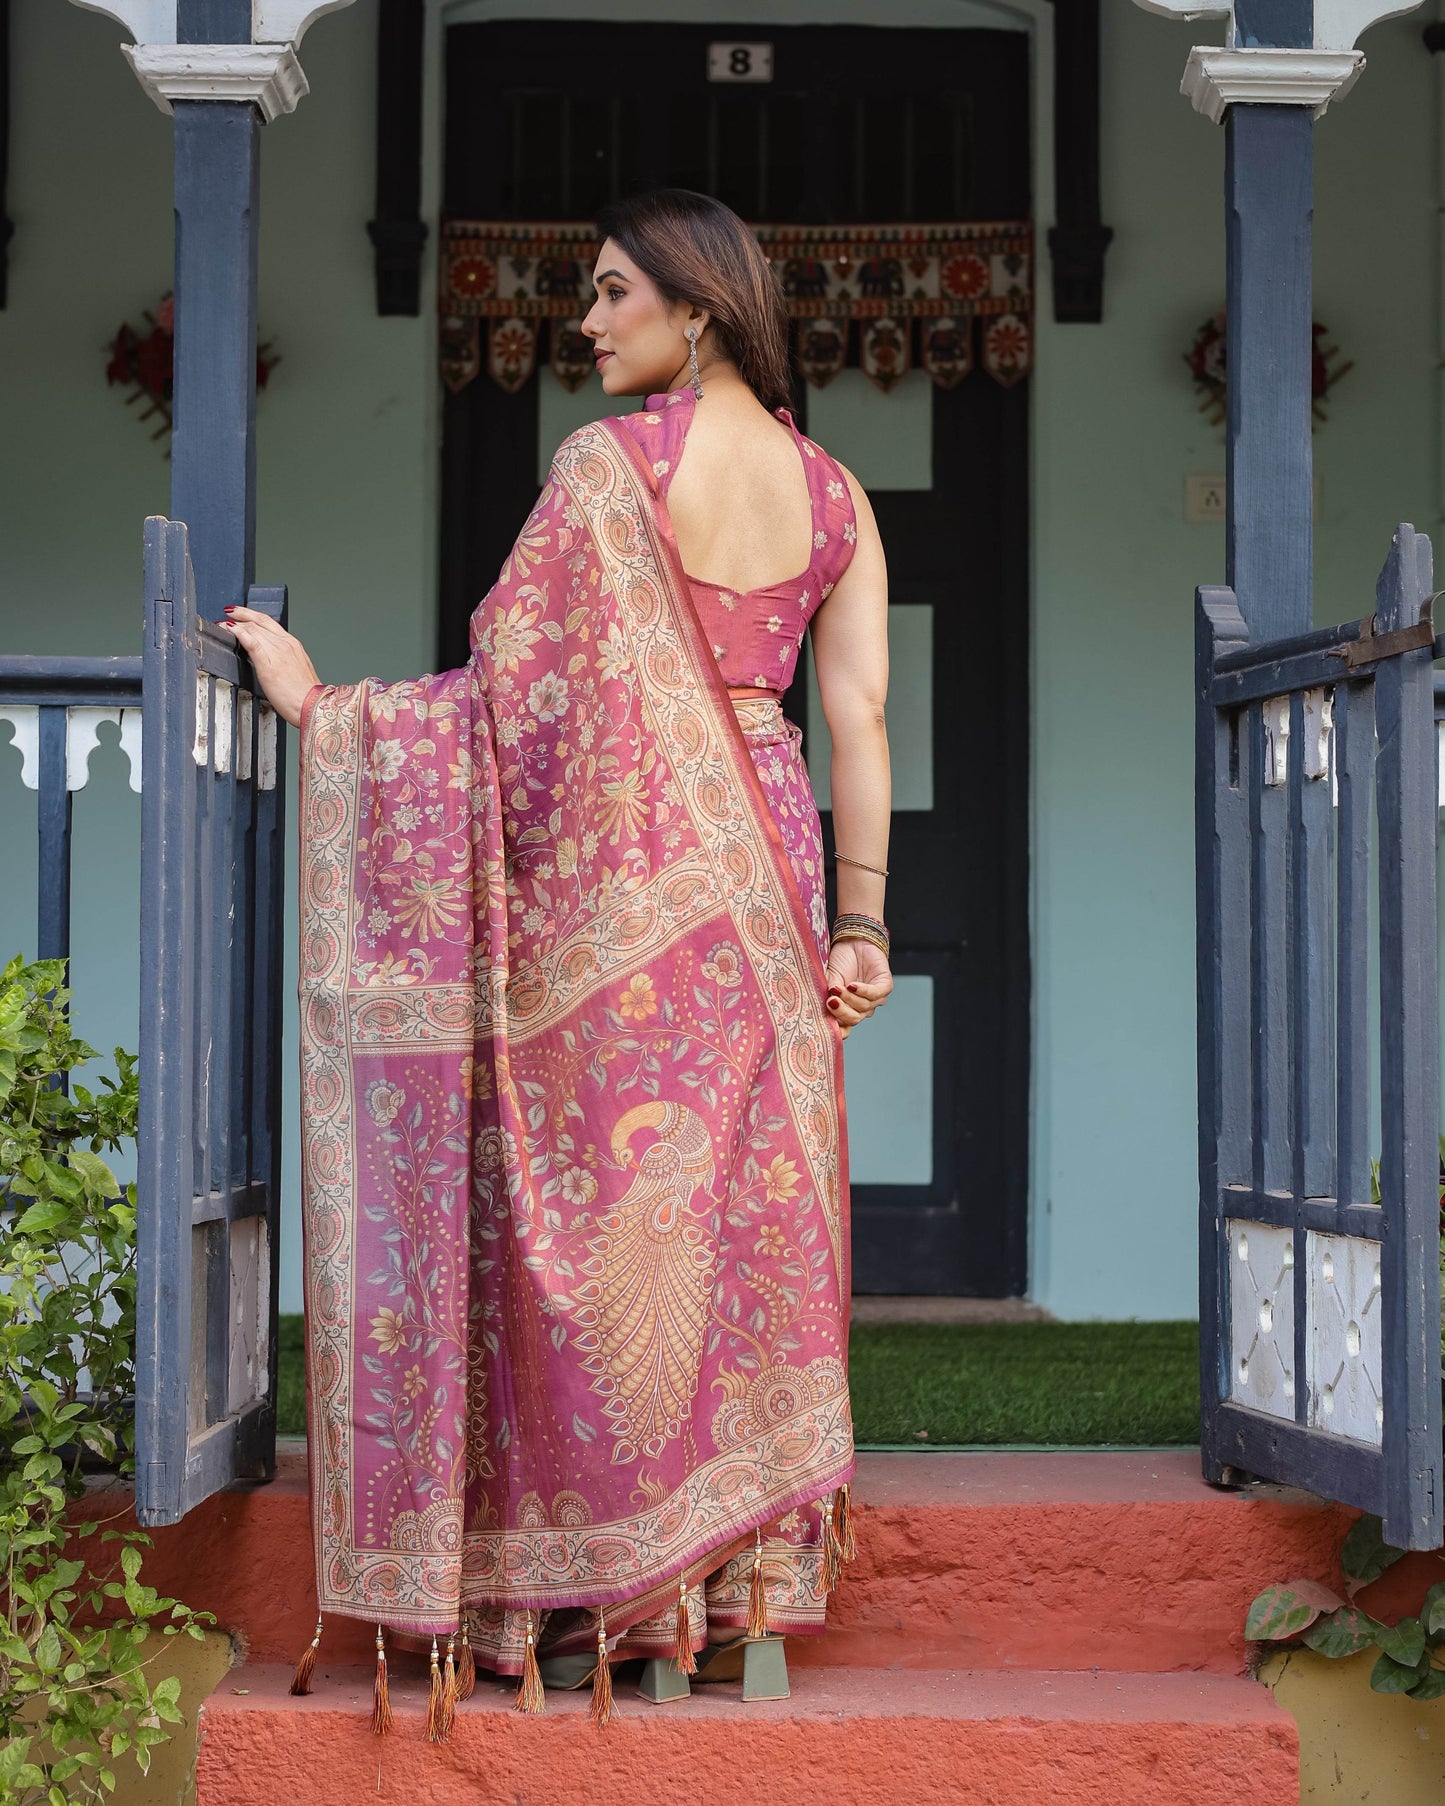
{"x": 283, "y": 669}
{"x": 850, "y": 653}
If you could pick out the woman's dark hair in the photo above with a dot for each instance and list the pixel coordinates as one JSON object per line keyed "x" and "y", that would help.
{"x": 696, "y": 249}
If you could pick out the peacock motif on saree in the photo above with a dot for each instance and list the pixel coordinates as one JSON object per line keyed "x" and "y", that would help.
{"x": 648, "y": 1279}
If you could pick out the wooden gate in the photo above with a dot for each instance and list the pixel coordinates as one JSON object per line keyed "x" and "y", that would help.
{"x": 1319, "y": 1270}
{"x": 209, "y": 1146}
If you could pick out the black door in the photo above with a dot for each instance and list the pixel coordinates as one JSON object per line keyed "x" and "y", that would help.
{"x": 550, "y": 120}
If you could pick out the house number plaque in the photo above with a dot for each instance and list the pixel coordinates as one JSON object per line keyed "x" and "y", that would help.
{"x": 739, "y": 62}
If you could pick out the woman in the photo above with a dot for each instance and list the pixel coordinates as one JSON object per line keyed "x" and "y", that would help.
{"x": 574, "y": 1146}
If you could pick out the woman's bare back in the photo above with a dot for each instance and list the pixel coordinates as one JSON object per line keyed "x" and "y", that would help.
{"x": 739, "y": 497}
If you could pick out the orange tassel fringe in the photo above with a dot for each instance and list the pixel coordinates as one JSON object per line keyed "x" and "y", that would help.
{"x": 531, "y": 1696}
{"x": 683, "y": 1657}
{"x": 449, "y": 1689}
{"x": 301, "y": 1680}
{"x": 832, "y": 1548}
{"x": 757, "y": 1593}
{"x": 600, "y": 1711}
{"x": 435, "y": 1725}
{"x": 381, "y": 1697}
{"x": 466, "y": 1667}
{"x": 848, "y": 1546}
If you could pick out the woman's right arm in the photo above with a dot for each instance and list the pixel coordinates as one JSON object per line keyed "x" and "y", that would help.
{"x": 282, "y": 666}
{"x": 850, "y": 652}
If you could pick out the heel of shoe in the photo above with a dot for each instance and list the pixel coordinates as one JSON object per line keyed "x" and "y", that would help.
{"x": 662, "y": 1681}
{"x": 765, "y": 1669}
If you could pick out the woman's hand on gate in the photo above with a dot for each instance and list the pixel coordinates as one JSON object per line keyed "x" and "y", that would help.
{"x": 859, "y": 981}
{"x": 282, "y": 667}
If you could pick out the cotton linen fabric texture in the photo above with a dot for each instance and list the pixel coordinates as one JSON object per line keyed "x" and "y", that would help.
{"x": 574, "y": 1137}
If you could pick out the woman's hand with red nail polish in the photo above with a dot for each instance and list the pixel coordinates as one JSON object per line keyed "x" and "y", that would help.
{"x": 283, "y": 669}
{"x": 861, "y": 968}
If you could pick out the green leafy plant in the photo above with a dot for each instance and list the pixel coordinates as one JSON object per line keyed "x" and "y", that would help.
{"x": 1304, "y": 1612}
{"x": 80, "y": 1632}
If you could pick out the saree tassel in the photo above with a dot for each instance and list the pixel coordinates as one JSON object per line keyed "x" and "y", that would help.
{"x": 466, "y": 1667}
{"x": 848, "y": 1547}
{"x": 600, "y": 1710}
{"x": 449, "y": 1689}
{"x": 301, "y": 1680}
{"x": 531, "y": 1695}
{"x": 832, "y": 1549}
{"x": 683, "y": 1657}
{"x": 758, "y": 1593}
{"x": 435, "y": 1724}
{"x": 381, "y": 1696}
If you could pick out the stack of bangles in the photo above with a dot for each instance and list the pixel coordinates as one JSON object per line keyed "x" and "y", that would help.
{"x": 855, "y": 927}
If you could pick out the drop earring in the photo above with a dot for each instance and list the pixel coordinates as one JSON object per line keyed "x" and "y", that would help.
{"x": 692, "y": 360}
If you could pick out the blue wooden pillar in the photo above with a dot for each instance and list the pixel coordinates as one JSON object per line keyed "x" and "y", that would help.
{"x": 1269, "y": 195}
{"x": 1269, "y": 207}
{"x": 1281, "y": 64}
{"x": 217, "y": 193}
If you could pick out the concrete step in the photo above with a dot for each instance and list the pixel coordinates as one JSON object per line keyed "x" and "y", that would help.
{"x": 845, "y": 1736}
{"x": 965, "y": 1561}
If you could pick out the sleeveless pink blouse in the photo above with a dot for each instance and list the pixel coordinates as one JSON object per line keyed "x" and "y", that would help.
{"x": 756, "y": 634}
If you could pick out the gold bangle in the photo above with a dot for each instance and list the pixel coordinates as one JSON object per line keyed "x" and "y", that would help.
{"x": 843, "y": 859}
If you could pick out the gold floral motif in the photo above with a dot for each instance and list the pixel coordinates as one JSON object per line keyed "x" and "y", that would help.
{"x": 778, "y": 1395}
{"x": 435, "y": 1531}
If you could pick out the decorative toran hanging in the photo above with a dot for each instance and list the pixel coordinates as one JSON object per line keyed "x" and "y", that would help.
{"x": 915, "y": 294}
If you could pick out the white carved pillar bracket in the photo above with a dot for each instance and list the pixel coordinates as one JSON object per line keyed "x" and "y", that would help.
{"x": 270, "y": 75}
{"x": 1215, "y": 79}
{"x": 1243, "y": 72}
{"x": 264, "y": 71}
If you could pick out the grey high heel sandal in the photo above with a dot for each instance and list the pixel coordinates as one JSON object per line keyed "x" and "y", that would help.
{"x": 759, "y": 1660}
{"x": 567, "y": 1672}
{"x": 662, "y": 1680}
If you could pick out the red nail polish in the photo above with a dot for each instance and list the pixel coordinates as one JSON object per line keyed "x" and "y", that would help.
{"x": 852, "y": 987}
{"x": 832, "y": 1003}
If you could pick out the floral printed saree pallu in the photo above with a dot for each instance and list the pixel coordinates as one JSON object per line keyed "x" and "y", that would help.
{"x": 573, "y": 1138}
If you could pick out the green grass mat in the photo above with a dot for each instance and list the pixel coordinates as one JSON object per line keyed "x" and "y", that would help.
{"x": 1134, "y": 1384}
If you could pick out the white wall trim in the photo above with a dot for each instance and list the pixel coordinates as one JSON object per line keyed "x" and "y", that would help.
{"x": 1337, "y": 23}
{"x": 267, "y": 74}
{"x": 272, "y": 21}
{"x": 1215, "y": 79}
{"x": 147, "y": 21}
{"x": 286, "y": 21}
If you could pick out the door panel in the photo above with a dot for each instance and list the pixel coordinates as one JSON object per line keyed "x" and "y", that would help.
{"x": 548, "y": 120}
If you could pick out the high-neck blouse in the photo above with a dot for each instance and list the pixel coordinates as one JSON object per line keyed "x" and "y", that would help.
{"x": 756, "y": 634}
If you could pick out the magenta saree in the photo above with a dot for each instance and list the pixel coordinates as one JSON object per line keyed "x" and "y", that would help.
{"x": 574, "y": 1170}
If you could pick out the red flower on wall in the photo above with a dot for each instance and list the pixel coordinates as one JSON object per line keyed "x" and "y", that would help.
{"x": 146, "y": 361}
{"x": 1207, "y": 364}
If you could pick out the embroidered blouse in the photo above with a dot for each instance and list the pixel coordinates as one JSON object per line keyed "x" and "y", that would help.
{"x": 756, "y": 634}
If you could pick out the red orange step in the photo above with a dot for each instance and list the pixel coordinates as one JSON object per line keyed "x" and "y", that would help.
{"x": 968, "y": 1561}
{"x": 846, "y": 1737}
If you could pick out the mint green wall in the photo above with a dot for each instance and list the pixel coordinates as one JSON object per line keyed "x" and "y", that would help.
{"x": 1117, "y": 429}
{"x": 345, "y": 511}
{"x": 347, "y": 435}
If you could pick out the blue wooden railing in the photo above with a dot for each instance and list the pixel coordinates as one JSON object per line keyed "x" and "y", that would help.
{"x": 55, "y": 707}
{"x": 1320, "y": 1304}
{"x": 208, "y": 1154}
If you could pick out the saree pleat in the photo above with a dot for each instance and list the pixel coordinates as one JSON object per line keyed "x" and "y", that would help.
{"x": 573, "y": 1140}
